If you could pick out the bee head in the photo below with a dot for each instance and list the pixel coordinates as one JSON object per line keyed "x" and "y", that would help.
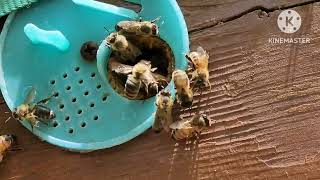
{"x": 118, "y": 28}
{"x": 163, "y": 99}
{"x": 139, "y": 69}
{"x": 165, "y": 93}
{"x": 10, "y": 138}
{"x": 15, "y": 114}
{"x": 153, "y": 88}
{"x": 154, "y": 29}
{"x": 206, "y": 119}
{"x": 111, "y": 39}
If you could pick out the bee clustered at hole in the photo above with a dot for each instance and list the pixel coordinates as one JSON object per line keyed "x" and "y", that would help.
{"x": 153, "y": 49}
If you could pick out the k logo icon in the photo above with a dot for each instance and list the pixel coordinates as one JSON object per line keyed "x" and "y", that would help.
{"x": 289, "y": 21}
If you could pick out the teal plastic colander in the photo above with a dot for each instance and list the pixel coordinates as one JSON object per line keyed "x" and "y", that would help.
{"x": 40, "y": 48}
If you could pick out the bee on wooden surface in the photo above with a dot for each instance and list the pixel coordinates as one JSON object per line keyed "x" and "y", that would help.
{"x": 122, "y": 47}
{"x": 188, "y": 128}
{"x": 144, "y": 28}
{"x": 33, "y": 112}
{"x": 5, "y": 143}
{"x": 163, "y": 115}
{"x": 199, "y": 61}
{"x": 184, "y": 93}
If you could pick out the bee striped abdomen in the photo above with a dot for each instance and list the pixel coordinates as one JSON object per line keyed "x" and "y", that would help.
{"x": 132, "y": 86}
{"x": 43, "y": 112}
{"x": 180, "y": 134}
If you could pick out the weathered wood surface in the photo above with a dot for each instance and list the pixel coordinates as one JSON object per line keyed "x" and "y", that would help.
{"x": 264, "y": 104}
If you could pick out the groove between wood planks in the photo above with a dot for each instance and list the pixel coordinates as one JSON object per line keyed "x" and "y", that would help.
{"x": 210, "y": 24}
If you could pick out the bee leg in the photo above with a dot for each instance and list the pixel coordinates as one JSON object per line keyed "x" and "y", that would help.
{"x": 40, "y": 120}
{"x": 209, "y": 85}
{"x": 46, "y": 123}
{"x": 45, "y": 101}
{"x": 155, "y": 20}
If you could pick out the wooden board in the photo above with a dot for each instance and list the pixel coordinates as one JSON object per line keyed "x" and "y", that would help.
{"x": 264, "y": 106}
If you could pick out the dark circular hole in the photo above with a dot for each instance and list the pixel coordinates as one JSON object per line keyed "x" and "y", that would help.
{"x": 86, "y": 93}
{"x": 55, "y": 124}
{"x": 65, "y": 75}
{"x": 76, "y": 69}
{"x": 83, "y": 124}
{"x": 55, "y": 94}
{"x": 67, "y": 118}
{"x": 154, "y": 51}
{"x": 98, "y": 86}
{"x": 92, "y": 105}
{"x": 52, "y": 82}
{"x": 70, "y": 131}
{"x": 95, "y": 118}
{"x": 68, "y": 88}
{"x": 93, "y": 74}
{"x": 61, "y": 106}
{"x": 89, "y": 50}
{"x": 104, "y": 98}
{"x": 79, "y": 111}
{"x": 74, "y": 100}
{"x": 80, "y": 81}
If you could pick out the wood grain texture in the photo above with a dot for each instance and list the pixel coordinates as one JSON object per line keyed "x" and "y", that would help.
{"x": 264, "y": 107}
{"x": 205, "y": 13}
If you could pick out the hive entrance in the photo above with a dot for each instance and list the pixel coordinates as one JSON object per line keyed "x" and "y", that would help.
{"x": 153, "y": 49}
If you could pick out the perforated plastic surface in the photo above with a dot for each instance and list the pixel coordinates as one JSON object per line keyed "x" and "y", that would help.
{"x": 7, "y": 6}
{"x": 90, "y": 115}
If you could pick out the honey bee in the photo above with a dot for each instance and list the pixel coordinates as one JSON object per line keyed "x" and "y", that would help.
{"x": 144, "y": 28}
{"x": 33, "y": 112}
{"x": 163, "y": 115}
{"x": 143, "y": 71}
{"x": 188, "y": 128}
{"x": 132, "y": 86}
{"x": 5, "y": 143}
{"x": 184, "y": 93}
{"x": 199, "y": 61}
{"x": 122, "y": 47}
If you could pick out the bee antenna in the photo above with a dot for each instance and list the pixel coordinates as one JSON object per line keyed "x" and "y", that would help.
{"x": 155, "y": 20}
{"x": 107, "y": 30}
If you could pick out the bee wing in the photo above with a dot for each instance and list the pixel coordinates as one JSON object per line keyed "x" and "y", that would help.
{"x": 119, "y": 68}
{"x": 201, "y": 51}
{"x": 30, "y": 96}
{"x": 180, "y": 124}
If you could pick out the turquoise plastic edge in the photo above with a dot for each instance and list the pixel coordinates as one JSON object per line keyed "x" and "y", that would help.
{"x": 134, "y": 1}
{"x": 102, "y": 6}
{"x": 80, "y": 147}
{"x": 183, "y": 27}
{"x": 3, "y": 36}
